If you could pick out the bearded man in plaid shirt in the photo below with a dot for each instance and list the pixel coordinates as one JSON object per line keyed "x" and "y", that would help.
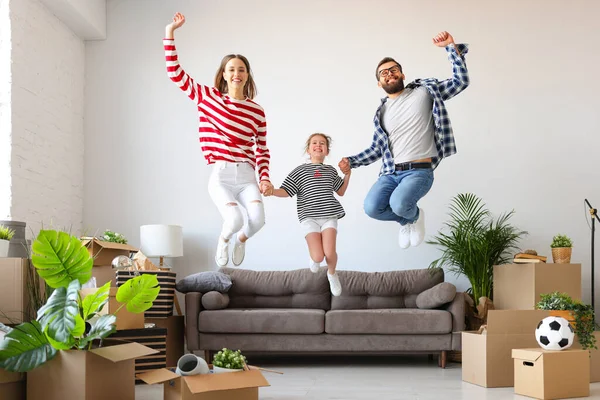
{"x": 412, "y": 135}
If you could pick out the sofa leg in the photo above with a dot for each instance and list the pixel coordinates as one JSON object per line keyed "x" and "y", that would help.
{"x": 430, "y": 357}
{"x": 208, "y": 356}
{"x": 442, "y": 359}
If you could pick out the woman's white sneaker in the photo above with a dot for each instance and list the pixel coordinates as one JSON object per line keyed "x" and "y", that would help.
{"x": 239, "y": 252}
{"x": 222, "y": 256}
{"x": 417, "y": 229}
{"x": 313, "y": 265}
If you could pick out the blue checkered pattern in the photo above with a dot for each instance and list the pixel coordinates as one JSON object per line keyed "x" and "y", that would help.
{"x": 440, "y": 92}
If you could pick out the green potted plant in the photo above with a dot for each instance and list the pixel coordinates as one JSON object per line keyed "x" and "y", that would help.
{"x": 227, "y": 360}
{"x": 580, "y": 316}
{"x": 110, "y": 236}
{"x": 67, "y": 321}
{"x": 6, "y": 234}
{"x": 474, "y": 243}
{"x": 562, "y": 247}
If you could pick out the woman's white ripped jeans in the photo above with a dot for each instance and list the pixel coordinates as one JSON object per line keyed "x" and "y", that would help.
{"x": 233, "y": 186}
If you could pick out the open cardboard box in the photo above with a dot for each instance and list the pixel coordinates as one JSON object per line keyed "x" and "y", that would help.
{"x": 487, "y": 357}
{"x": 97, "y": 374}
{"x": 12, "y": 385}
{"x": 518, "y": 286}
{"x": 547, "y": 374}
{"x": 14, "y": 290}
{"x": 125, "y": 319}
{"x": 241, "y": 385}
{"x": 103, "y": 254}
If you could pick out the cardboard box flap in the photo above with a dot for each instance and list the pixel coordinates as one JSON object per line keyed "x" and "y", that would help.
{"x": 122, "y": 352}
{"x": 157, "y": 376}
{"x": 514, "y": 321}
{"x": 226, "y": 381}
{"x": 8, "y": 377}
{"x": 107, "y": 245}
{"x": 527, "y": 354}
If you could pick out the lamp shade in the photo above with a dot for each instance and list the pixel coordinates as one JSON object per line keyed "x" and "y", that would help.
{"x": 161, "y": 240}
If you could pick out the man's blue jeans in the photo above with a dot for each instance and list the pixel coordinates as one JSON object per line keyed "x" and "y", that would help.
{"x": 394, "y": 197}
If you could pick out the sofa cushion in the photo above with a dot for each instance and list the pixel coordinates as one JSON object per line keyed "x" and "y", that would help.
{"x": 264, "y": 320}
{"x": 278, "y": 289}
{"x": 388, "y": 321}
{"x": 437, "y": 296}
{"x": 204, "y": 282}
{"x": 392, "y": 289}
{"x": 215, "y": 300}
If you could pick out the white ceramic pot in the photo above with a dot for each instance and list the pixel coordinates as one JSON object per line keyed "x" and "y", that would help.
{"x": 191, "y": 364}
{"x": 219, "y": 370}
{"x": 4, "y": 247}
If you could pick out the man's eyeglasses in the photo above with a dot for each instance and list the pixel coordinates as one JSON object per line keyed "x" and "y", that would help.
{"x": 391, "y": 70}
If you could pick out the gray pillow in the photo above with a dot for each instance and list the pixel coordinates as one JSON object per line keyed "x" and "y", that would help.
{"x": 437, "y": 296}
{"x": 205, "y": 282}
{"x": 215, "y": 300}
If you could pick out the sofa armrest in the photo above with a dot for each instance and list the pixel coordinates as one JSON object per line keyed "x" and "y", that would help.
{"x": 457, "y": 308}
{"x": 193, "y": 306}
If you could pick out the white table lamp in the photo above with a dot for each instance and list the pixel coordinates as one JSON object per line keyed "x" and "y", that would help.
{"x": 161, "y": 241}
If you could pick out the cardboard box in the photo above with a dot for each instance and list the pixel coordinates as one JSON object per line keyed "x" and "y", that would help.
{"x": 518, "y": 286}
{"x": 546, "y": 374}
{"x": 105, "y": 252}
{"x": 155, "y": 338}
{"x": 487, "y": 358}
{"x": 594, "y": 358}
{"x": 241, "y": 385}
{"x": 175, "y": 336}
{"x": 97, "y": 374}
{"x": 125, "y": 319}
{"x": 12, "y": 385}
{"x": 14, "y": 291}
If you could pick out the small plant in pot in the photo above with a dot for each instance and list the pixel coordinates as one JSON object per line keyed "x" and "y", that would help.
{"x": 580, "y": 316}
{"x": 562, "y": 247}
{"x": 227, "y": 360}
{"x": 67, "y": 321}
{"x": 114, "y": 237}
{"x": 6, "y": 234}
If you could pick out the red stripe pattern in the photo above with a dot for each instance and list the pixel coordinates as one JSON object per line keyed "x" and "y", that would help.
{"x": 229, "y": 129}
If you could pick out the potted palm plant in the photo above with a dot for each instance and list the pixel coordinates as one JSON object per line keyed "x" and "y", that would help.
{"x": 562, "y": 247}
{"x": 6, "y": 234}
{"x": 67, "y": 321}
{"x": 474, "y": 242}
{"x": 581, "y": 316}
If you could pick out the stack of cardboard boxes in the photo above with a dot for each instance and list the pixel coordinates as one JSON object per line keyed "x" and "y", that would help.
{"x": 487, "y": 356}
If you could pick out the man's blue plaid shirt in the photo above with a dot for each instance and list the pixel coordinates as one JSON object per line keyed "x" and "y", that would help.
{"x": 440, "y": 92}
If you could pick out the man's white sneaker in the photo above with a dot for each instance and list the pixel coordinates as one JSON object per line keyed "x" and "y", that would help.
{"x": 239, "y": 251}
{"x": 417, "y": 229}
{"x": 334, "y": 284}
{"x": 404, "y": 236}
{"x": 313, "y": 265}
{"x": 222, "y": 256}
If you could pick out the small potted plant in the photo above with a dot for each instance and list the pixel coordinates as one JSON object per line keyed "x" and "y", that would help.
{"x": 114, "y": 237}
{"x": 580, "y": 316}
{"x": 6, "y": 234}
{"x": 562, "y": 247}
{"x": 228, "y": 360}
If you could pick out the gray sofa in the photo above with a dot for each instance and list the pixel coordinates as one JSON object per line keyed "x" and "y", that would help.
{"x": 294, "y": 312}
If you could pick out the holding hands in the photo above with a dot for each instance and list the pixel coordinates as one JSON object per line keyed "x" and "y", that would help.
{"x": 266, "y": 188}
{"x": 344, "y": 165}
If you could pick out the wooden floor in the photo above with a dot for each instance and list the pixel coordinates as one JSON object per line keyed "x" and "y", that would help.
{"x": 365, "y": 378}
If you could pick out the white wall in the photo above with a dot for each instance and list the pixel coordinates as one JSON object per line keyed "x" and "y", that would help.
{"x": 47, "y": 67}
{"x": 526, "y": 128}
{"x": 5, "y": 107}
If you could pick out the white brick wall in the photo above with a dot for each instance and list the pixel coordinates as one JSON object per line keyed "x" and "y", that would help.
{"x": 48, "y": 63}
{"x": 5, "y": 125}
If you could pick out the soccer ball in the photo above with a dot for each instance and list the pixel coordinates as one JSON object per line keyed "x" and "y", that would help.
{"x": 554, "y": 333}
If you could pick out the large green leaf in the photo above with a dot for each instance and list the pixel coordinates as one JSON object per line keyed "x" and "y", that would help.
{"x": 60, "y": 311}
{"x": 102, "y": 328}
{"x": 25, "y": 348}
{"x": 60, "y": 258}
{"x": 93, "y": 303}
{"x": 139, "y": 293}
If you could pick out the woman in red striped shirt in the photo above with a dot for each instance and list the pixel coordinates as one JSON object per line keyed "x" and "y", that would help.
{"x": 233, "y": 134}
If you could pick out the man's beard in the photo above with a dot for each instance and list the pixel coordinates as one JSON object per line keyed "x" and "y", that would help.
{"x": 394, "y": 87}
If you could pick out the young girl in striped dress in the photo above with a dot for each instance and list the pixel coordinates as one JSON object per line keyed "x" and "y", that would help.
{"x": 318, "y": 210}
{"x": 233, "y": 136}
